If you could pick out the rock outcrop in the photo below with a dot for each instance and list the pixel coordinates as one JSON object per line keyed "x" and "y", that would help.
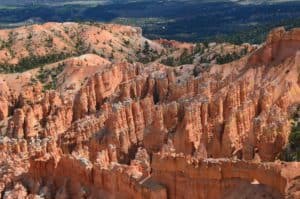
{"x": 114, "y": 129}
{"x": 221, "y": 178}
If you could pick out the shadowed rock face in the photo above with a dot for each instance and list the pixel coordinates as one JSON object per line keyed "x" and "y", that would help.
{"x": 132, "y": 130}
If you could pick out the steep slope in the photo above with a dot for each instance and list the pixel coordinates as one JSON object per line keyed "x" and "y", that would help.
{"x": 32, "y": 46}
{"x": 54, "y": 39}
{"x": 111, "y": 129}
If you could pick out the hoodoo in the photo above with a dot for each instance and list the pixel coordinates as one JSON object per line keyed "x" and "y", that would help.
{"x": 104, "y": 121}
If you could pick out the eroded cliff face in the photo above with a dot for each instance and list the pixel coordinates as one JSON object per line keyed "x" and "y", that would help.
{"x": 130, "y": 130}
{"x": 222, "y": 178}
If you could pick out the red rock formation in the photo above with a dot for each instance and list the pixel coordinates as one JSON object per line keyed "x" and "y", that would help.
{"x": 121, "y": 130}
{"x": 221, "y": 178}
{"x": 77, "y": 178}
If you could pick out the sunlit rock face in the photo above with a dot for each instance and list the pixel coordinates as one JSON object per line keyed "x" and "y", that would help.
{"x": 114, "y": 129}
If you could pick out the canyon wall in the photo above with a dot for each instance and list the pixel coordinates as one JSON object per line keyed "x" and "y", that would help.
{"x": 133, "y": 130}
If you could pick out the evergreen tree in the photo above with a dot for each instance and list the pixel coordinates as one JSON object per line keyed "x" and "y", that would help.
{"x": 146, "y": 48}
